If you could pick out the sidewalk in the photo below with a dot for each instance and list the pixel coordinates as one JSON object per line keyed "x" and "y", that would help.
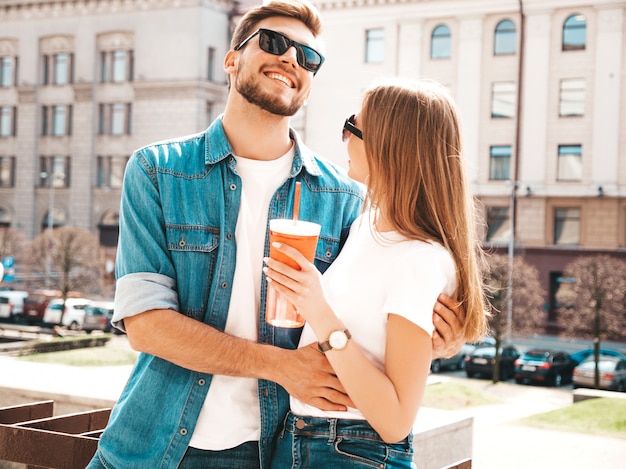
{"x": 498, "y": 441}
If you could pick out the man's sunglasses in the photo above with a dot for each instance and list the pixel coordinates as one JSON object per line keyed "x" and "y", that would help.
{"x": 350, "y": 128}
{"x": 276, "y": 43}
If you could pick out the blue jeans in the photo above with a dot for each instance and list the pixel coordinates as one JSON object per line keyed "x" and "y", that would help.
{"x": 311, "y": 442}
{"x": 244, "y": 456}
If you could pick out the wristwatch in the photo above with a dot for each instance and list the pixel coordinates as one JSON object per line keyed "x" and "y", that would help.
{"x": 336, "y": 341}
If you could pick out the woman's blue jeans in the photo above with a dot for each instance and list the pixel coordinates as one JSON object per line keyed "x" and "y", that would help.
{"x": 313, "y": 443}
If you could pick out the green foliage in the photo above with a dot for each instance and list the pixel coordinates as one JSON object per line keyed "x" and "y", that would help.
{"x": 602, "y": 416}
{"x": 452, "y": 396}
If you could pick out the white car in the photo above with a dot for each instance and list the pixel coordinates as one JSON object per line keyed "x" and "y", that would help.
{"x": 74, "y": 312}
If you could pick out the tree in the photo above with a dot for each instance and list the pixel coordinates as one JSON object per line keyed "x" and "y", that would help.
{"x": 527, "y": 316}
{"x": 594, "y": 301}
{"x": 67, "y": 259}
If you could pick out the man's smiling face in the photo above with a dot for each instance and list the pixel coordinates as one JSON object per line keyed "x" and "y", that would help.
{"x": 275, "y": 83}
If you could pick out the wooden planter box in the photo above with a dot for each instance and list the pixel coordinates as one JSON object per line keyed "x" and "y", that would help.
{"x": 31, "y": 435}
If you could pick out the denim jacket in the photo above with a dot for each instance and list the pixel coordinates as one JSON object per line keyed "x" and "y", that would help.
{"x": 179, "y": 208}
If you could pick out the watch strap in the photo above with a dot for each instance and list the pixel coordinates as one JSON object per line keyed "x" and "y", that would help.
{"x": 325, "y": 346}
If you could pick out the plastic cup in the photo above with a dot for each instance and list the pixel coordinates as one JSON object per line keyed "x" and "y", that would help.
{"x": 303, "y": 236}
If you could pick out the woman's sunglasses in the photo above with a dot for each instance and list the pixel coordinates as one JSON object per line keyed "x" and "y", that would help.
{"x": 276, "y": 43}
{"x": 350, "y": 128}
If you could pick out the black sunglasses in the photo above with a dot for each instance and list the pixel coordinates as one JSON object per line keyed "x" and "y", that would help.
{"x": 276, "y": 43}
{"x": 350, "y": 128}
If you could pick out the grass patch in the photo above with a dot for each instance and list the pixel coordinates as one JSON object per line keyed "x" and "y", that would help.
{"x": 601, "y": 416}
{"x": 92, "y": 356}
{"x": 452, "y": 396}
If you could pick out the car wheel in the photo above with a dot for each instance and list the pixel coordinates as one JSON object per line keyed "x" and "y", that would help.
{"x": 621, "y": 387}
{"x": 461, "y": 365}
{"x": 435, "y": 366}
{"x": 558, "y": 380}
{"x": 73, "y": 326}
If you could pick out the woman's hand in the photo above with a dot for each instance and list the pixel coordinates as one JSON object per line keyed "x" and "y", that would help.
{"x": 303, "y": 288}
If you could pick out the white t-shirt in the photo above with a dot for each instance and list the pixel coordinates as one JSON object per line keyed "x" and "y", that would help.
{"x": 230, "y": 414}
{"x": 374, "y": 276}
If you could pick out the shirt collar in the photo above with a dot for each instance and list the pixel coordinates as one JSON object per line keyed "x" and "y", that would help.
{"x": 218, "y": 147}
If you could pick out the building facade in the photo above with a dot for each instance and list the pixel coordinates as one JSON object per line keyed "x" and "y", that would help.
{"x": 541, "y": 85}
{"x": 551, "y": 184}
{"x": 83, "y": 84}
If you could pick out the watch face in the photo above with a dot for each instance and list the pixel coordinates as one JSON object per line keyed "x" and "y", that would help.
{"x": 338, "y": 340}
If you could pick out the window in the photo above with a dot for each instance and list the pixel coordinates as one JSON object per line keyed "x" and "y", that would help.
{"x": 503, "y": 100}
{"x": 211, "y": 64}
{"x": 572, "y": 97}
{"x": 115, "y": 119}
{"x": 504, "y": 38}
{"x": 570, "y": 165}
{"x": 567, "y": 226}
{"x": 7, "y": 171}
{"x": 440, "y": 43}
{"x": 56, "y": 120}
{"x": 374, "y": 46}
{"x": 498, "y": 225}
{"x": 499, "y": 162}
{"x": 111, "y": 171}
{"x": 116, "y": 66}
{"x": 8, "y": 121}
{"x": 8, "y": 71}
{"x": 56, "y": 166}
{"x": 5, "y": 217}
{"x": 109, "y": 231}
{"x": 575, "y": 32}
{"x": 58, "y": 69}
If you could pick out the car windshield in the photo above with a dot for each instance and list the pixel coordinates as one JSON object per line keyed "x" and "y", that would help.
{"x": 536, "y": 355}
{"x": 603, "y": 364}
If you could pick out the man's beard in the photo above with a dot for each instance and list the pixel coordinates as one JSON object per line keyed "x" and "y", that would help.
{"x": 269, "y": 103}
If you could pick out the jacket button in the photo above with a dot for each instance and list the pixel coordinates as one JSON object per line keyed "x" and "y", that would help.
{"x": 233, "y": 187}
{"x": 224, "y": 284}
{"x": 300, "y": 424}
{"x": 201, "y": 382}
{"x": 183, "y": 431}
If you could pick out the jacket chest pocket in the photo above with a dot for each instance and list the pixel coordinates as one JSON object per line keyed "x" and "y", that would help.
{"x": 326, "y": 252}
{"x": 194, "y": 254}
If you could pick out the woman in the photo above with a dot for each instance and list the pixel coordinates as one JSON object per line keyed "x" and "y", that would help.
{"x": 371, "y": 311}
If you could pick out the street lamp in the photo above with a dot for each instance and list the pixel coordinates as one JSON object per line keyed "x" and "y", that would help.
{"x": 50, "y": 177}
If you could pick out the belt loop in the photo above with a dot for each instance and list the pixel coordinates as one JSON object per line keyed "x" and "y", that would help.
{"x": 282, "y": 431}
{"x": 332, "y": 431}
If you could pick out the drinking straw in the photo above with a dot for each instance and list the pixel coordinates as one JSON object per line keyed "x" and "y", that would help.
{"x": 296, "y": 203}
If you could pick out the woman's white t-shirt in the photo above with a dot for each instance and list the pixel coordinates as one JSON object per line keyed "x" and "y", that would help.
{"x": 375, "y": 275}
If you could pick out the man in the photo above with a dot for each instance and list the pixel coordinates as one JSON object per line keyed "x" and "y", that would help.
{"x": 210, "y": 386}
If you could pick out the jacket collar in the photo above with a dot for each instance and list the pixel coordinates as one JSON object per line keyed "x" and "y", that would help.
{"x": 218, "y": 147}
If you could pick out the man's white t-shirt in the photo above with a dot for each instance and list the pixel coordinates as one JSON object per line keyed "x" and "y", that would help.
{"x": 230, "y": 414}
{"x": 375, "y": 275}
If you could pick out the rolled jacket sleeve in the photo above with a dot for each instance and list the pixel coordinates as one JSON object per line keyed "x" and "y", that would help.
{"x": 140, "y": 292}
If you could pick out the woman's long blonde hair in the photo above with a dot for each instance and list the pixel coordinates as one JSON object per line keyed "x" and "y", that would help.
{"x": 412, "y": 136}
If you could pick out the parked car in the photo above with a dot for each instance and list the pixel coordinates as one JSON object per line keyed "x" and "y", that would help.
{"x": 5, "y": 309}
{"x": 482, "y": 360}
{"x": 74, "y": 312}
{"x": 15, "y": 299}
{"x": 552, "y": 367}
{"x": 582, "y": 355}
{"x": 98, "y": 317}
{"x": 457, "y": 362}
{"x": 35, "y": 305}
{"x": 612, "y": 373}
